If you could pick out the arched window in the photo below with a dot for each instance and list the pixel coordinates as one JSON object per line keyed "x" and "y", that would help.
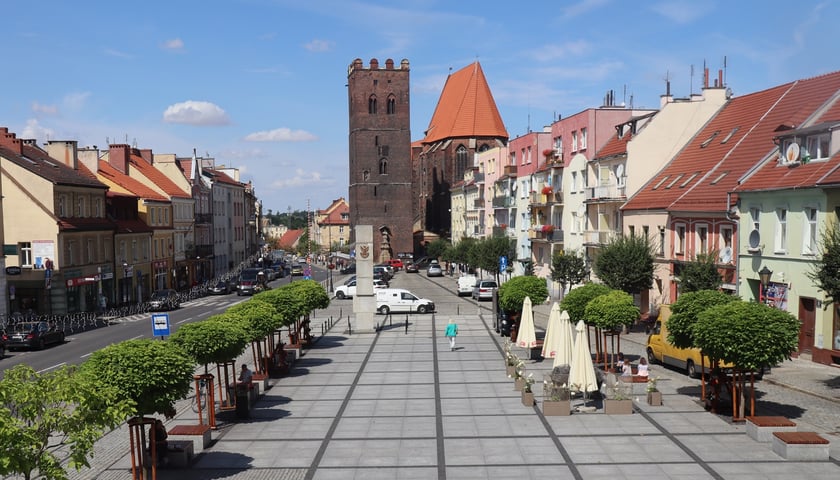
{"x": 392, "y": 105}
{"x": 383, "y": 167}
{"x": 484, "y": 147}
{"x": 372, "y": 104}
{"x": 366, "y": 175}
{"x": 461, "y": 155}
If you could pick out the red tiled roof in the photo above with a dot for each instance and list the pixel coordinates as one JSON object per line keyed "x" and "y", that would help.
{"x": 132, "y": 185}
{"x": 222, "y": 177}
{"x": 734, "y": 141}
{"x": 333, "y": 213}
{"x": 615, "y": 146}
{"x": 466, "y": 108}
{"x": 133, "y": 226}
{"x": 291, "y": 237}
{"x": 40, "y": 163}
{"x": 156, "y": 176}
{"x": 88, "y": 224}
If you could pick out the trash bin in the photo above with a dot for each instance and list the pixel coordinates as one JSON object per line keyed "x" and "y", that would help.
{"x": 243, "y": 402}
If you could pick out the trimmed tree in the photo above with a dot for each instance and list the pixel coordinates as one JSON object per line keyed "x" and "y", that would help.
{"x": 609, "y": 313}
{"x": 700, "y": 274}
{"x": 568, "y": 268}
{"x": 435, "y": 248}
{"x": 684, "y": 313}
{"x": 490, "y": 250}
{"x": 575, "y": 302}
{"x": 825, "y": 270}
{"x": 748, "y": 335}
{"x": 55, "y": 413}
{"x": 212, "y": 341}
{"x": 150, "y": 373}
{"x": 261, "y": 320}
{"x": 513, "y": 292}
{"x": 626, "y": 264}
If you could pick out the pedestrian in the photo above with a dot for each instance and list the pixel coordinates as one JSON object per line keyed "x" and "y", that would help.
{"x": 451, "y": 333}
{"x": 643, "y": 368}
{"x": 245, "y": 375}
{"x": 158, "y": 433}
{"x": 619, "y": 364}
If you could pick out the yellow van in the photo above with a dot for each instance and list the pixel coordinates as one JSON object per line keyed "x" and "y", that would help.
{"x": 659, "y": 350}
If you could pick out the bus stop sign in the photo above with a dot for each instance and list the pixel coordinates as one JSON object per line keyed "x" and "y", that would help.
{"x": 160, "y": 324}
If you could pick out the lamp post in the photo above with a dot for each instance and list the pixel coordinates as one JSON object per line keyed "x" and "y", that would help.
{"x": 331, "y": 267}
{"x": 764, "y": 276}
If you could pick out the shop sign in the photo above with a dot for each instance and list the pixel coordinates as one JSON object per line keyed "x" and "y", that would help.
{"x": 14, "y": 270}
{"x": 79, "y": 281}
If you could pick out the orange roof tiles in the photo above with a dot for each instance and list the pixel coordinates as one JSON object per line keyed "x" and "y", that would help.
{"x": 466, "y": 108}
{"x": 157, "y": 177}
{"x": 134, "y": 186}
{"x": 733, "y": 142}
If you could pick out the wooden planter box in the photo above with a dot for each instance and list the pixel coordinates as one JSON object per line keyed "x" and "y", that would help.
{"x": 654, "y": 398}
{"x": 557, "y": 408}
{"x": 510, "y": 370}
{"x": 528, "y": 399}
{"x": 519, "y": 384}
{"x": 618, "y": 407}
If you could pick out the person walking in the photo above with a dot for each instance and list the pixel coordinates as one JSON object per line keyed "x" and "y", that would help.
{"x": 451, "y": 333}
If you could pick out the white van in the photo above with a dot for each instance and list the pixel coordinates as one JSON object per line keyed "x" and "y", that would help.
{"x": 466, "y": 284}
{"x": 400, "y": 300}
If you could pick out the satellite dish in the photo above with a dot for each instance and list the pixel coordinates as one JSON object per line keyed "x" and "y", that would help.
{"x": 754, "y": 239}
{"x": 619, "y": 170}
{"x": 513, "y": 187}
{"x": 792, "y": 153}
{"x": 726, "y": 255}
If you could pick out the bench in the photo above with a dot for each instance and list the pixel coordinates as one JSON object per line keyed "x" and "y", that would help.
{"x": 638, "y": 383}
{"x": 761, "y": 428}
{"x": 180, "y": 453}
{"x": 196, "y": 433}
{"x": 800, "y": 446}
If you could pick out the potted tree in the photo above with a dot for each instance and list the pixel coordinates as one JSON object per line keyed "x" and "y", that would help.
{"x": 654, "y": 396}
{"x": 528, "y": 391}
{"x": 618, "y": 401}
{"x": 556, "y": 398}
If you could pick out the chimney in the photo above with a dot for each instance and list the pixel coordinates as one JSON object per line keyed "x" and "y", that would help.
{"x": 89, "y": 157}
{"x": 65, "y": 151}
{"x": 146, "y": 154}
{"x": 8, "y": 140}
{"x": 705, "y": 78}
{"x": 118, "y": 155}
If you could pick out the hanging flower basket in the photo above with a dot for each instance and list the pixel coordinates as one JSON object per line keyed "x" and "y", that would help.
{"x": 547, "y": 228}
{"x": 548, "y": 153}
{"x": 503, "y": 225}
{"x": 546, "y": 190}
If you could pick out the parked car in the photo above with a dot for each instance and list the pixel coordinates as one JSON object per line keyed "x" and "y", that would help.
{"x": 411, "y": 267}
{"x": 381, "y": 270}
{"x": 349, "y": 269}
{"x": 166, "y": 299}
{"x": 466, "y": 284}
{"x": 434, "y": 270}
{"x": 220, "y": 288}
{"x": 376, "y": 277}
{"x": 396, "y": 263}
{"x": 483, "y": 290}
{"x": 348, "y": 290}
{"x": 35, "y": 335}
{"x": 387, "y": 267}
{"x": 400, "y": 300}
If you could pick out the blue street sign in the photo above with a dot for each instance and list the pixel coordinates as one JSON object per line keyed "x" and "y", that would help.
{"x": 503, "y": 263}
{"x": 160, "y": 324}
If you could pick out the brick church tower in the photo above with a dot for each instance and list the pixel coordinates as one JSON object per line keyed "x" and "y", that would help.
{"x": 380, "y": 192}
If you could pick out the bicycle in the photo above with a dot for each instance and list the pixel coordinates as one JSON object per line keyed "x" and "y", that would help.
{"x": 199, "y": 400}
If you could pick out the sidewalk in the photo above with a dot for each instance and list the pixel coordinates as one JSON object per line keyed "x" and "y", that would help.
{"x": 399, "y": 404}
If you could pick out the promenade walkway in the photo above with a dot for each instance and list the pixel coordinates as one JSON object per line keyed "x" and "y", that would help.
{"x": 399, "y": 404}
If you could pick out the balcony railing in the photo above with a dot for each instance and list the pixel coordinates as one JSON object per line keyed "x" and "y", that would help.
{"x": 539, "y": 198}
{"x": 203, "y": 218}
{"x": 598, "y": 237}
{"x": 503, "y": 202}
{"x": 503, "y": 231}
{"x": 510, "y": 170}
{"x": 538, "y": 235}
{"x": 606, "y": 192}
{"x": 479, "y": 203}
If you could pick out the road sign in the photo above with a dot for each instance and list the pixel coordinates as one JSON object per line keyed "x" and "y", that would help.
{"x": 503, "y": 262}
{"x": 160, "y": 324}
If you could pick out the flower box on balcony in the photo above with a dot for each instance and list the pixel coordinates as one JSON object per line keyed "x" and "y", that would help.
{"x": 546, "y": 190}
{"x": 547, "y": 228}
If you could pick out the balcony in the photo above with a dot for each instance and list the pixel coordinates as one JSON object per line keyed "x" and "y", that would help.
{"x": 537, "y": 234}
{"x": 479, "y": 203}
{"x": 539, "y": 198}
{"x": 605, "y": 193}
{"x": 598, "y": 237}
{"x": 510, "y": 170}
{"x": 503, "y": 202}
{"x": 500, "y": 231}
{"x": 203, "y": 219}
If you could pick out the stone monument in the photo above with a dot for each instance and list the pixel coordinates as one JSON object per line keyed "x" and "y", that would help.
{"x": 364, "y": 302}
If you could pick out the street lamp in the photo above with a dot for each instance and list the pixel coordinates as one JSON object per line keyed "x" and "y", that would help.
{"x": 331, "y": 267}
{"x": 764, "y": 276}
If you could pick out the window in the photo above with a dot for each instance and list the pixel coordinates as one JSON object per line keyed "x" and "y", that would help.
{"x": 513, "y": 158}
{"x": 680, "y": 246}
{"x": 583, "y": 139}
{"x": 165, "y": 216}
{"x": 392, "y": 105}
{"x": 69, "y": 248}
{"x": 574, "y": 181}
{"x": 25, "y": 254}
{"x": 522, "y": 156}
{"x": 725, "y": 254}
{"x": 816, "y": 147}
{"x": 383, "y": 166}
{"x": 558, "y": 145}
{"x": 781, "y": 230}
{"x": 461, "y": 157}
{"x": 90, "y": 252}
{"x": 660, "y": 182}
{"x": 62, "y": 206}
{"x": 134, "y": 250}
{"x": 661, "y": 251}
{"x": 81, "y": 210}
{"x": 372, "y": 105}
{"x": 529, "y": 155}
{"x": 702, "y": 239}
{"x": 632, "y": 230}
{"x": 755, "y": 214}
{"x": 645, "y": 231}
{"x": 809, "y": 237}
{"x": 574, "y": 141}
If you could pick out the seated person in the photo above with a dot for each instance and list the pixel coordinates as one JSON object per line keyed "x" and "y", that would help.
{"x": 627, "y": 369}
{"x": 643, "y": 368}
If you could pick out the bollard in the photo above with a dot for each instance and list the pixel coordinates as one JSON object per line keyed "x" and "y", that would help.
{"x": 349, "y": 328}
{"x": 390, "y": 320}
{"x": 406, "y": 324}
{"x": 458, "y": 310}
{"x": 340, "y": 312}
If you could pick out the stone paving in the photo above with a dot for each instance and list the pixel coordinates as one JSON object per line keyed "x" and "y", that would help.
{"x": 401, "y": 405}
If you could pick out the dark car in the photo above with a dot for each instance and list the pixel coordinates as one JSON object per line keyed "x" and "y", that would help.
{"x": 32, "y": 335}
{"x": 166, "y": 299}
{"x": 221, "y": 288}
{"x": 411, "y": 267}
{"x": 348, "y": 269}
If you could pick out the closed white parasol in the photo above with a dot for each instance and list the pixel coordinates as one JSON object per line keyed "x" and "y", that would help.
{"x": 565, "y": 341}
{"x": 552, "y": 333}
{"x": 582, "y": 375}
{"x": 526, "y": 337}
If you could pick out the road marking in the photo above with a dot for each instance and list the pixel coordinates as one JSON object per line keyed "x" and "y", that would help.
{"x": 53, "y": 367}
{"x": 184, "y": 320}
{"x": 138, "y": 336}
{"x": 86, "y": 355}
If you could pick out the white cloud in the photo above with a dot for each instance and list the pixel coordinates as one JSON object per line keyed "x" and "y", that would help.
{"x": 117, "y": 53}
{"x": 682, "y": 11}
{"x": 319, "y": 45}
{"x": 301, "y": 178}
{"x": 582, "y": 7}
{"x": 196, "y": 113}
{"x": 34, "y": 130}
{"x": 45, "y": 109}
{"x": 175, "y": 44}
{"x": 282, "y": 134}
{"x": 76, "y": 100}
{"x": 553, "y": 52}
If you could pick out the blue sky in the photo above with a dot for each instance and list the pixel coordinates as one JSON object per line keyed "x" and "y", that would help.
{"x": 260, "y": 84}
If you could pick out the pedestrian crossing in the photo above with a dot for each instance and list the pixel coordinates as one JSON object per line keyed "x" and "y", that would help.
{"x": 210, "y": 302}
